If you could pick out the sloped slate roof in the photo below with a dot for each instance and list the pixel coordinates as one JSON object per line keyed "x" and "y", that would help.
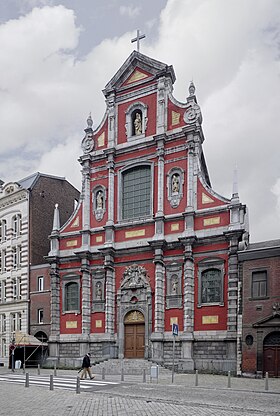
{"x": 30, "y": 181}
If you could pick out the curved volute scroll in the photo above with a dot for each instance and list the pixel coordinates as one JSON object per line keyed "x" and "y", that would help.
{"x": 134, "y": 277}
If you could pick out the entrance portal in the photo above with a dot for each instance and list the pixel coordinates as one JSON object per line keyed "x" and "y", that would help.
{"x": 271, "y": 354}
{"x": 134, "y": 335}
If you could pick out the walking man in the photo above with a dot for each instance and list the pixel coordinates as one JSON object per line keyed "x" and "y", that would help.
{"x": 86, "y": 367}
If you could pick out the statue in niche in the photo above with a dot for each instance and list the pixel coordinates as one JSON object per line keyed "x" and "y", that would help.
{"x": 174, "y": 286}
{"x": 138, "y": 124}
{"x": 98, "y": 291}
{"x": 99, "y": 200}
{"x": 175, "y": 184}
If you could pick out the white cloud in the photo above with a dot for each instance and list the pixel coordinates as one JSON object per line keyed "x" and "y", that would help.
{"x": 228, "y": 48}
{"x": 130, "y": 11}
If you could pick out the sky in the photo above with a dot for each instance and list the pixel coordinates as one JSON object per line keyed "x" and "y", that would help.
{"x": 57, "y": 56}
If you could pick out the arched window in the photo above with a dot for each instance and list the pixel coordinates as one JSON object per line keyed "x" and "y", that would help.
{"x": 71, "y": 297}
{"x": 211, "y": 286}
{"x": 136, "y": 190}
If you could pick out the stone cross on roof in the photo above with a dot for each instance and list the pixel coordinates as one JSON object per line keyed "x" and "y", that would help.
{"x": 137, "y": 39}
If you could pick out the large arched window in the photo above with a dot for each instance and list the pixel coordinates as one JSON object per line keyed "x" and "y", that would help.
{"x": 71, "y": 297}
{"x": 211, "y": 281}
{"x": 136, "y": 190}
{"x": 211, "y": 286}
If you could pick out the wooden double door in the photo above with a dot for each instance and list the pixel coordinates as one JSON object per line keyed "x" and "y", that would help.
{"x": 134, "y": 340}
{"x": 271, "y": 358}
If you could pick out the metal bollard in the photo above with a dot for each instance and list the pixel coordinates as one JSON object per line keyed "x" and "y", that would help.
{"x": 78, "y": 386}
{"x": 229, "y": 380}
{"x": 103, "y": 373}
{"x": 196, "y": 378}
{"x": 144, "y": 375}
{"x": 122, "y": 374}
{"x": 38, "y": 369}
{"x": 266, "y": 381}
{"x": 27, "y": 380}
{"x": 23, "y": 368}
{"x": 51, "y": 382}
{"x": 54, "y": 370}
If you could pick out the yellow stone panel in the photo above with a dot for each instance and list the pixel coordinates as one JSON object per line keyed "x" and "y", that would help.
{"x": 72, "y": 243}
{"x": 98, "y": 323}
{"x": 206, "y": 199}
{"x": 71, "y": 324}
{"x": 173, "y": 320}
{"x": 175, "y": 227}
{"x": 214, "y": 319}
{"x": 175, "y": 118}
{"x": 136, "y": 233}
{"x": 211, "y": 221}
{"x": 136, "y": 76}
{"x": 99, "y": 239}
{"x": 76, "y": 223}
{"x": 101, "y": 140}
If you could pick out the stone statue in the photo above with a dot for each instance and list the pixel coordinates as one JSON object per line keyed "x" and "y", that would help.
{"x": 175, "y": 184}
{"x": 99, "y": 200}
{"x": 138, "y": 124}
{"x": 175, "y": 286}
{"x": 98, "y": 291}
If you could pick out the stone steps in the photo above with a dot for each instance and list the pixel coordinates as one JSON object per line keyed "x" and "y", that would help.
{"x": 130, "y": 367}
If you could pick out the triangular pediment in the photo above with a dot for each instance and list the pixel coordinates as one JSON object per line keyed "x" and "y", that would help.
{"x": 269, "y": 321}
{"x": 137, "y": 75}
{"x": 138, "y": 68}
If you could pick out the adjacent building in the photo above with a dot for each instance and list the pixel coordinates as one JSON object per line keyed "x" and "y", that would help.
{"x": 150, "y": 244}
{"x": 260, "y": 308}
{"x": 26, "y": 216}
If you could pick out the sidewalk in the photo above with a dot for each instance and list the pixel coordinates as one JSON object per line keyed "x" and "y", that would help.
{"x": 209, "y": 381}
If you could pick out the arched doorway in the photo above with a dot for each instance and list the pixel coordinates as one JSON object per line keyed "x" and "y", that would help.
{"x": 271, "y": 354}
{"x": 134, "y": 335}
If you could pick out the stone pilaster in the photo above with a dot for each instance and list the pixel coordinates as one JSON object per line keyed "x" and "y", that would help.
{"x": 86, "y": 301}
{"x": 188, "y": 288}
{"x": 110, "y": 293}
{"x": 55, "y": 300}
{"x": 159, "y": 291}
{"x": 86, "y": 205}
{"x": 232, "y": 282}
{"x": 159, "y": 217}
{"x": 109, "y": 228}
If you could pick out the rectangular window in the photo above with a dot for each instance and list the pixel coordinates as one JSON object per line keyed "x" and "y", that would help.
{"x": 16, "y": 224}
{"x": 3, "y": 261}
{"x": 15, "y": 288}
{"x": 19, "y": 321}
{"x": 3, "y": 230}
{"x": 40, "y": 316}
{"x": 3, "y": 322}
{"x": 136, "y": 191}
{"x": 13, "y": 322}
{"x": 4, "y": 290}
{"x": 259, "y": 284}
{"x": 40, "y": 283}
{"x": 3, "y": 348}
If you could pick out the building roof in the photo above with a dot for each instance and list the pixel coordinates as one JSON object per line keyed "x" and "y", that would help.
{"x": 30, "y": 181}
{"x": 263, "y": 245}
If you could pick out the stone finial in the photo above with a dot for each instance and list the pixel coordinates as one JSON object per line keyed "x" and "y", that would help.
{"x": 191, "y": 89}
{"x": 89, "y": 121}
{"x": 56, "y": 221}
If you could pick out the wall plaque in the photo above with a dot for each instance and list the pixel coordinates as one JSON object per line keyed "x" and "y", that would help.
{"x": 175, "y": 227}
{"x": 98, "y": 323}
{"x": 101, "y": 140}
{"x": 71, "y": 324}
{"x": 210, "y": 319}
{"x": 99, "y": 238}
{"x": 136, "y": 233}
{"x": 173, "y": 320}
{"x": 206, "y": 199}
{"x": 211, "y": 221}
{"x": 72, "y": 243}
{"x": 175, "y": 118}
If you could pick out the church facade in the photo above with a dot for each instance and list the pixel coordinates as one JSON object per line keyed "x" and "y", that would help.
{"x": 151, "y": 244}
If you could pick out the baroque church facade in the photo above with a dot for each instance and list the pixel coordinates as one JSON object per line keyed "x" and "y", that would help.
{"x": 150, "y": 243}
